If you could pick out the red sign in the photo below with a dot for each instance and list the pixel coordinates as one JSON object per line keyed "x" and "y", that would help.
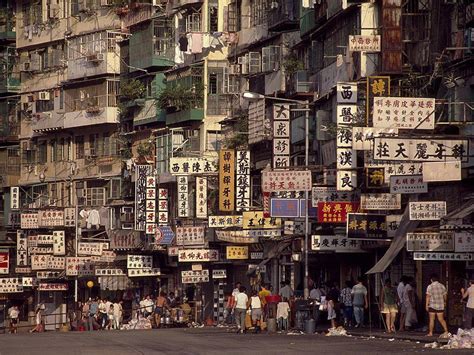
{"x": 4, "y": 262}
{"x": 52, "y": 287}
{"x": 335, "y": 212}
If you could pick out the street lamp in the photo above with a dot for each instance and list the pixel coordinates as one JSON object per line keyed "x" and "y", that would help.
{"x": 253, "y": 96}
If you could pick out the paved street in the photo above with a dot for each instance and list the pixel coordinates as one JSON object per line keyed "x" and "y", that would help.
{"x": 198, "y": 341}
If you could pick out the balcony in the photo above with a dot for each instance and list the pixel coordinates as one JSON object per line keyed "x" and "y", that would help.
{"x": 7, "y": 25}
{"x": 185, "y": 3}
{"x": 147, "y": 111}
{"x": 299, "y": 83}
{"x": 9, "y": 71}
{"x": 193, "y": 114}
{"x": 307, "y": 22}
{"x": 283, "y": 16}
{"x": 92, "y": 110}
{"x": 47, "y": 121}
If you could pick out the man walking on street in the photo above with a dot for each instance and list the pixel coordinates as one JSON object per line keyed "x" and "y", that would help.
{"x": 436, "y": 297}
{"x": 93, "y": 309}
{"x": 469, "y": 311}
{"x": 240, "y": 310}
{"x": 359, "y": 302}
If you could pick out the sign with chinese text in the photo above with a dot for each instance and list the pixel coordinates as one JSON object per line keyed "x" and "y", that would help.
{"x": 44, "y": 275}
{"x": 404, "y": 112}
{"x": 344, "y": 137}
{"x": 241, "y": 237}
{"x": 219, "y": 274}
{"x": 79, "y": 266}
{"x": 89, "y": 248}
{"x": 109, "y": 272}
{"x": 39, "y": 262}
{"x": 442, "y": 256}
{"x": 401, "y": 184}
{"x": 295, "y": 180}
{"x": 375, "y": 178}
{"x": 402, "y": 169}
{"x": 464, "y": 241}
{"x": 107, "y": 256}
{"x": 139, "y": 261}
{"x": 364, "y": 43}
{"x": 224, "y": 221}
{"x": 242, "y": 193}
{"x": 294, "y": 227}
{"x": 124, "y": 239}
{"x": 141, "y": 174}
{"x": 346, "y": 114}
{"x": 256, "y": 255}
{"x": 335, "y": 243}
{"x": 29, "y": 220}
{"x": 173, "y": 251}
{"x": 70, "y": 217}
{"x": 194, "y": 276}
{"x": 14, "y": 197}
{"x": 191, "y": 165}
{"x": 281, "y": 136}
{"x": 388, "y": 148}
{"x": 393, "y": 222}
{"x": 256, "y": 220}
{"x": 237, "y": 252}
{"x": 150, "y": 271}
{"x": 198, "y": 255}
{"x": 430, "y": 241}
{"x": 190, "y": 235}
{"x": 4, "y": 261}
{"x": 380, "y": 201}
{"x": 183, "y": 200}
{"x": 366, "y": 226}
{"x": 427, "y": 210}
{"x": 150, "y": 225}
{"x": 226, "y": 180}
{"x": 284, "y": 207}
{"x": 201, "y": 197}
{"x": 335, "y": 212}
{"x": 346, "y": 180}
{"x": 346, "y": 93}
{"x": 363, "y": 137}
{"x": 52, "y": 287}
{"x": 21, "y": 248}
{"x": 59, "y": 243}
{"x": 11, "y": 285}
{"x": 330, "y": 194}
{"x": 346, "y": 158}
{"x": 51, "y": 218}
{"x": 28, "y": 281}
{"x": 163, "y": 207}
{"x": 442, "y": 171}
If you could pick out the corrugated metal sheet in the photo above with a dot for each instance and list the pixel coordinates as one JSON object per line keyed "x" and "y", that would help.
{"x": 391, "y": 36}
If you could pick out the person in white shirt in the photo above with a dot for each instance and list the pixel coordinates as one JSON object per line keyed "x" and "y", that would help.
{"x": 469, "y": 310}
{"x": 148, "y": 304}
{"x": 13, "y": 314}
{"x": 240, "y": 309}
{"x": 408, "y": 305}
{"x": 118, "y": 313}
{"x": 283, "y": 309}
{"x": 236, "y": 290}
{"x": 256, "y": 307}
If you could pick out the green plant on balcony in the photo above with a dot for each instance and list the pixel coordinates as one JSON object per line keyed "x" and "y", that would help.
{"x": 145, "y": 149}
{"x": 292, "y": 64}
{"x": 130, "y": 90}
{"x": 175, "y": 98}
{"x": 239, "y": 137}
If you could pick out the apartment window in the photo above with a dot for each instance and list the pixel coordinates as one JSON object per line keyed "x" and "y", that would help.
{"x": 67, "y": 149}
{"x": 28, "y": 153}
{"x": 95, "y": 196}
{"x": 42, "y": 152}
{"x": 60, "y": 150}
{"x": 214, "y": 140}
{"x": 164, "y": 147}
{"x": 53, "y": 194}
{"x": 45, "y": 105}
{"x": 258, "y": 12}
{"x": 193, "y": 22}
{"x": 212, "y": 84}
{"x": 216, "y": 100}
{"x": 115, "y": 189}
{"x": 232, "y": 22}
{"x": 79, "y": 142}
{"x": 163, "y": 37}
{"x": 32, "y": 13}
{"x": 53, "y": 149}
{"x": 271, "y": 57}
{"x": 93, "y": 144}
{"x": 213, "y": 18}
{"x": 255, "y": 63}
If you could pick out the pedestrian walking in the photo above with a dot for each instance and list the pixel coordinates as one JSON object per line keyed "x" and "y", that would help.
{"x": 240, "y": 310}
{"x": 102, "y": 314}
{"x": 229, "y": 308}
{"x": 13, "y": 314}
{"x": 93, "y": 314}
{"x": 436, "y": 297}
{"x": 256, "y": 310}
{"x": 346, "y": 303}
{"x": 110, "y": 317}
{"x": 282, "y": 314}
{"x": 408, "y": 305}
{"x": 388, "y": 302}
{"x": 333, "y": 304}
{"x": 39, "y": 312}
{"x": 118, "y": 314}
{"x": 160, "y": 305}
{"x": 315, "y": 296}
{"x": 401, "y": 309}
{"x": 469, "y": 310}
{"x": 264, "y": 292}
{"x": 359, "y": 302}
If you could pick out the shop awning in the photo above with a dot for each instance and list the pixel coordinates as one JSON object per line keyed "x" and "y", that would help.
{"x": 398, "y": 242}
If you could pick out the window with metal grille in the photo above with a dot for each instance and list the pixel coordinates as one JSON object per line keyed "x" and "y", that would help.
{"x": 271, "y": 57}
{"x": 95, "y": 196}
{"x": 193, "y": 22}
{"x": 163, "y": 37}
{"x": 42, "y": 152}
{"x": 79, "y": 143}
{"x": 255, "y": 63}
{"x": 213, "y": 17}
{"x": 53, "y": 144}
{"x": 232, "y": 18}
{"x": 164, "y": 148}
{"x": 258, "y": 12}
{"x": 45, "y": 105}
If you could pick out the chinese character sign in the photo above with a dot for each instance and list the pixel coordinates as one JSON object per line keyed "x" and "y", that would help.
{"x": 442, "y": 256}
{"x": 346, "y": 114}
{"x": 364, "y": 43}
{"x": 191, "y": 165}
{"x": 281, "y": 136}
{"x": 4, "y": 261}
{"x": 183, "y": 200}
{"x": 337, "y": 243}
{"x": 234, "y": 252}
{"x": 198, "y": 255}
{"x": 366, "y": 226}
{"x": 380, "y": 201}
{"x": 51, "y": 218}
{"x": 11, "y": 285}
{"x": 150, "y": 224}
{"x": 430, "y": 241}
{"x": 255, "y": 220}
{"x": 226, "y": 180}
{"x": 224, "y": 221}
{"x": 346, "y": 93}
{"x": 242, "y": 193}
{"x": 141, "y": 174}
{"x": 275, "y": 181}
{"x": 363, "y": 137}
{"x": 59, "y": 243}
{"x": 194, "y": 276}
{"x": 346, "y": 180}
{"x": 29, "y": 220}
{"x": 376, "y": 86}
{"x": 346, "y": 158}
{"x": 427, "y": 210}
{"x": 163, "y": 208}
{"x": 335, "y": 212}
{"x": 330, "y": 194}
{"x": 143, "y": 272}
{"x": 414, "y": 184}
{"x": 190, "y": 235}
{"x": 14, "y": 197}
{"x": 464, "y": 241}
{"x": 201, "y": 197}
{"x": 21, "y": 248}
{"x": 375, "y": 178}
{"x": 139, "y": 261}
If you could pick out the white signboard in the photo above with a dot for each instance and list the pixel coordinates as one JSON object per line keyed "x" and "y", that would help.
{"x": 224, "y": 221}
{"x": 344, "y": 137}
{"x": 139, "y": 261}
{"x": 89, "y": 248}
{"x": 79, "y": 266}
{"x": 109, "y": 272}
{"x": 29, "y": 220}
{"x": 346, "y": 158}
{"x": 330, "y": 194}
{"x": 442, "y": 256}
{"x": 363, "y": 137}
{"x": 402, "y": 169}
{"x": 346, "y": 180}
{"x": 364, "y": 43}
{"x": 11, "y": 285}
{"x": 143, "y": 272}
{"x": 336, "y": 243}
{"x": 393, "y": 222}
{"x": 201, "y": 197}
{"x": 14, "y": 197}
{"x": 51, "y": 218}
{"x": 346, "y": 114}
{"x": 241, "y": 237}
{"x": 464, "y": 241}
{"x": 295, "y": 180}
{"x": 21, "y": 248}
{"x": 150, "y": 226}
{"x": 380, "y": 201}
{"x": 421, "y": 150}
{"x": 43, "y": 275}
{"x": 59, "y": 243}
{"x": 346, "y": 93}
{"x": 404, "y": 112}
{"x": 442, "y": 171}
{"x": 56, "y": 262}
{"x": 163, "y": 207}
{"x": 70, "y": 217}
{"x": 430, "y": 241}
{"x": 183, "y": 201}
{"x": 427, "y": 210}
{"x": 402, "y": 184}
{"x": 219, "y": 274}
{"x": 242, "y": 193}
{"x": 194, "y": 276}
{"x": 52, "y": 287}
{"x": 40, "y": 262}
{"x": 190, "y": 235}
{"x": 198, "y": 255}
{"x": 28, "y": 281}
{"x": 191, "y": 165}
{"x": 281, "y": 136}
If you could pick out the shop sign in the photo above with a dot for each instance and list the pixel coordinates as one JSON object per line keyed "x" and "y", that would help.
{"x": 183, "y": 198}
{"x": 44, "y": 275}
{"x": 393, "y": 223}
{"x": 89, "y": 248}
{"x": 56, "y": 262}
{"x": 190, "y": 235}
{"x": 109, "y": 272}
{"x": 143, "y": 272}
{"x": 164, "y": 235}
{"x": 124, "y": 239}
{"x": 375, "y": 178}
{"x": 70, "y": 217}
{"x": 264, "y": 233}
{"x": 23, "y": 270}
{"x": 198, "y": 255}
{"x": 295, "y": 227}
{"x": 150, "y": 225}
{"x": 173, "y": 251}
{"x": 330, "y": 194}
{"x": 442, "y": 256}
{"x": 430, "y": 241}
{"x": 224, "y": 221}
{"x": 336, "y": 243}
{"x": 346, "y": 114}
{"x": 403, "y": 169}
{"x": 59, "y": 243}
{"x": 107, "y": 256}
{"x": 281, "y": 136}
{"x": 194, "y": 276}
{"x": 11, "y": 285}
{"x": 139, "y": 261}
{"x": 346, "y": 180}
{"x": 79, "y": 266}
{"x": 219, "y": 274}
{"x": 226, "y": 180}
{"x": 28, "y": 281}
{"x": 404, "y": 112}
{"x": 366, "y": 226}
{"x": 256, "y": 255}
{"x": 44, "y": 239}
{"x": 464, "y": 242}
{"x": 256, "y": 220}
{"x": 14, "y": 197}
{"x": 275, "y": 181}
{"x": 376, "y": 86}
{"x": 29, "y": 220}
{"x": 39, "y": 262}
{"x": 4, "y": 261}
{"x": 363, "y": 137}
{"x": 346, "y": 93}
{"x": 346, "y": 158}
{"x": 52, "y": 287}
{"x": 142, "y": 172}
{"x": 401, "y": 184}
{"x": 242, "y": 193}
{"x": 335, "y": 212}
{"x": 237, "y": 252}
{"x": 427, "y": 210}
{"x": 163, "y": 207}
{"x": 364, "y": 43}
{"x": 191, "y": 165}
{"x": 344, "y": 137}
{"x": 284, "y": 207}
{"x": 51, "y": 218}
{"x": 21, "y": 248}
{"x": 380, "y": 201}
{"x": 201, "y": 197}
{"x": 236, "y": 236}
{"x": 442, "y": 171}
{"x": 420, "y": 150}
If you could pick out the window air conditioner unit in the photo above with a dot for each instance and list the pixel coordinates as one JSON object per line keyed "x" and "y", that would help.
{"x": 234, "y": 69}
{"x": 43, "y": 95}
{"x": 98, "y": 57}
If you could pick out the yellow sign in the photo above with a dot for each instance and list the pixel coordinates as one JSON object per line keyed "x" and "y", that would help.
{"x": 255, "y": 220}
{"x": 376, "y": 86}
{"x": 237, "y": 252}
{"x": 227, "y": 180}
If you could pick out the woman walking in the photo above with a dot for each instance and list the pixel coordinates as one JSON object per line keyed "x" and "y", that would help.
{"x": 388, "y": 301}
{"x": 39, "y": 319}
{"x": 256, "y": 307}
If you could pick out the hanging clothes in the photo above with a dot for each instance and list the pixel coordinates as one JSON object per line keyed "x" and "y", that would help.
{"x": 206, "y": 40}
{"x": 196, "y": 45}
{"x": 183, "y": 43}
{"x": 93, "y": 219}
{"x": 104, "y": 217}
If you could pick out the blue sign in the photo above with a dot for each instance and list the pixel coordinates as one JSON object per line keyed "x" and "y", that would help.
{"x": 284, "y": 207}
{"x": 164, "y": 235}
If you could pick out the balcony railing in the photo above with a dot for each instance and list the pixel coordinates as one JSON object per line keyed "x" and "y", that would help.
{"x": 299, "y": 83}
{"x": 307, "y": 22}
{"x": 283, "y": 16}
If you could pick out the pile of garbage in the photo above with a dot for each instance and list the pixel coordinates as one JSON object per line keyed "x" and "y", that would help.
{"x": 463, "y": 339}
{"x": 142, "y": 323}
{"x": 339, "y": 331}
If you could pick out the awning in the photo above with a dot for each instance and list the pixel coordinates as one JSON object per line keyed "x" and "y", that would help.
{"x": 397, "y": 244}
{"x": 274, "y": 252}
{"x": 462, "y": 212}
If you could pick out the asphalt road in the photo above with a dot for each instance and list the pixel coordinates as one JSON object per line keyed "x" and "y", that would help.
{"x": 199, "y": 341}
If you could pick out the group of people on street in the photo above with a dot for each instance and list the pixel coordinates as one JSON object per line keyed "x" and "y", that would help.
{"x": 99, "y": 314}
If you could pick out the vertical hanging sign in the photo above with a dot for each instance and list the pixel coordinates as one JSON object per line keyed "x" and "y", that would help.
{"x": 141, "y": 174}
{"x": 243, "y": 180}
{"x": 183, "y": 202}
{"x": 201, "y": 197}
{"x": 14, "y": 197}
{"x": 281, "y": 136}
{"x": 150, "y": 227}
{"x": 21, "y": 248}
{"x": 162, "y": 206}
{"x": 226, "y": 180}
